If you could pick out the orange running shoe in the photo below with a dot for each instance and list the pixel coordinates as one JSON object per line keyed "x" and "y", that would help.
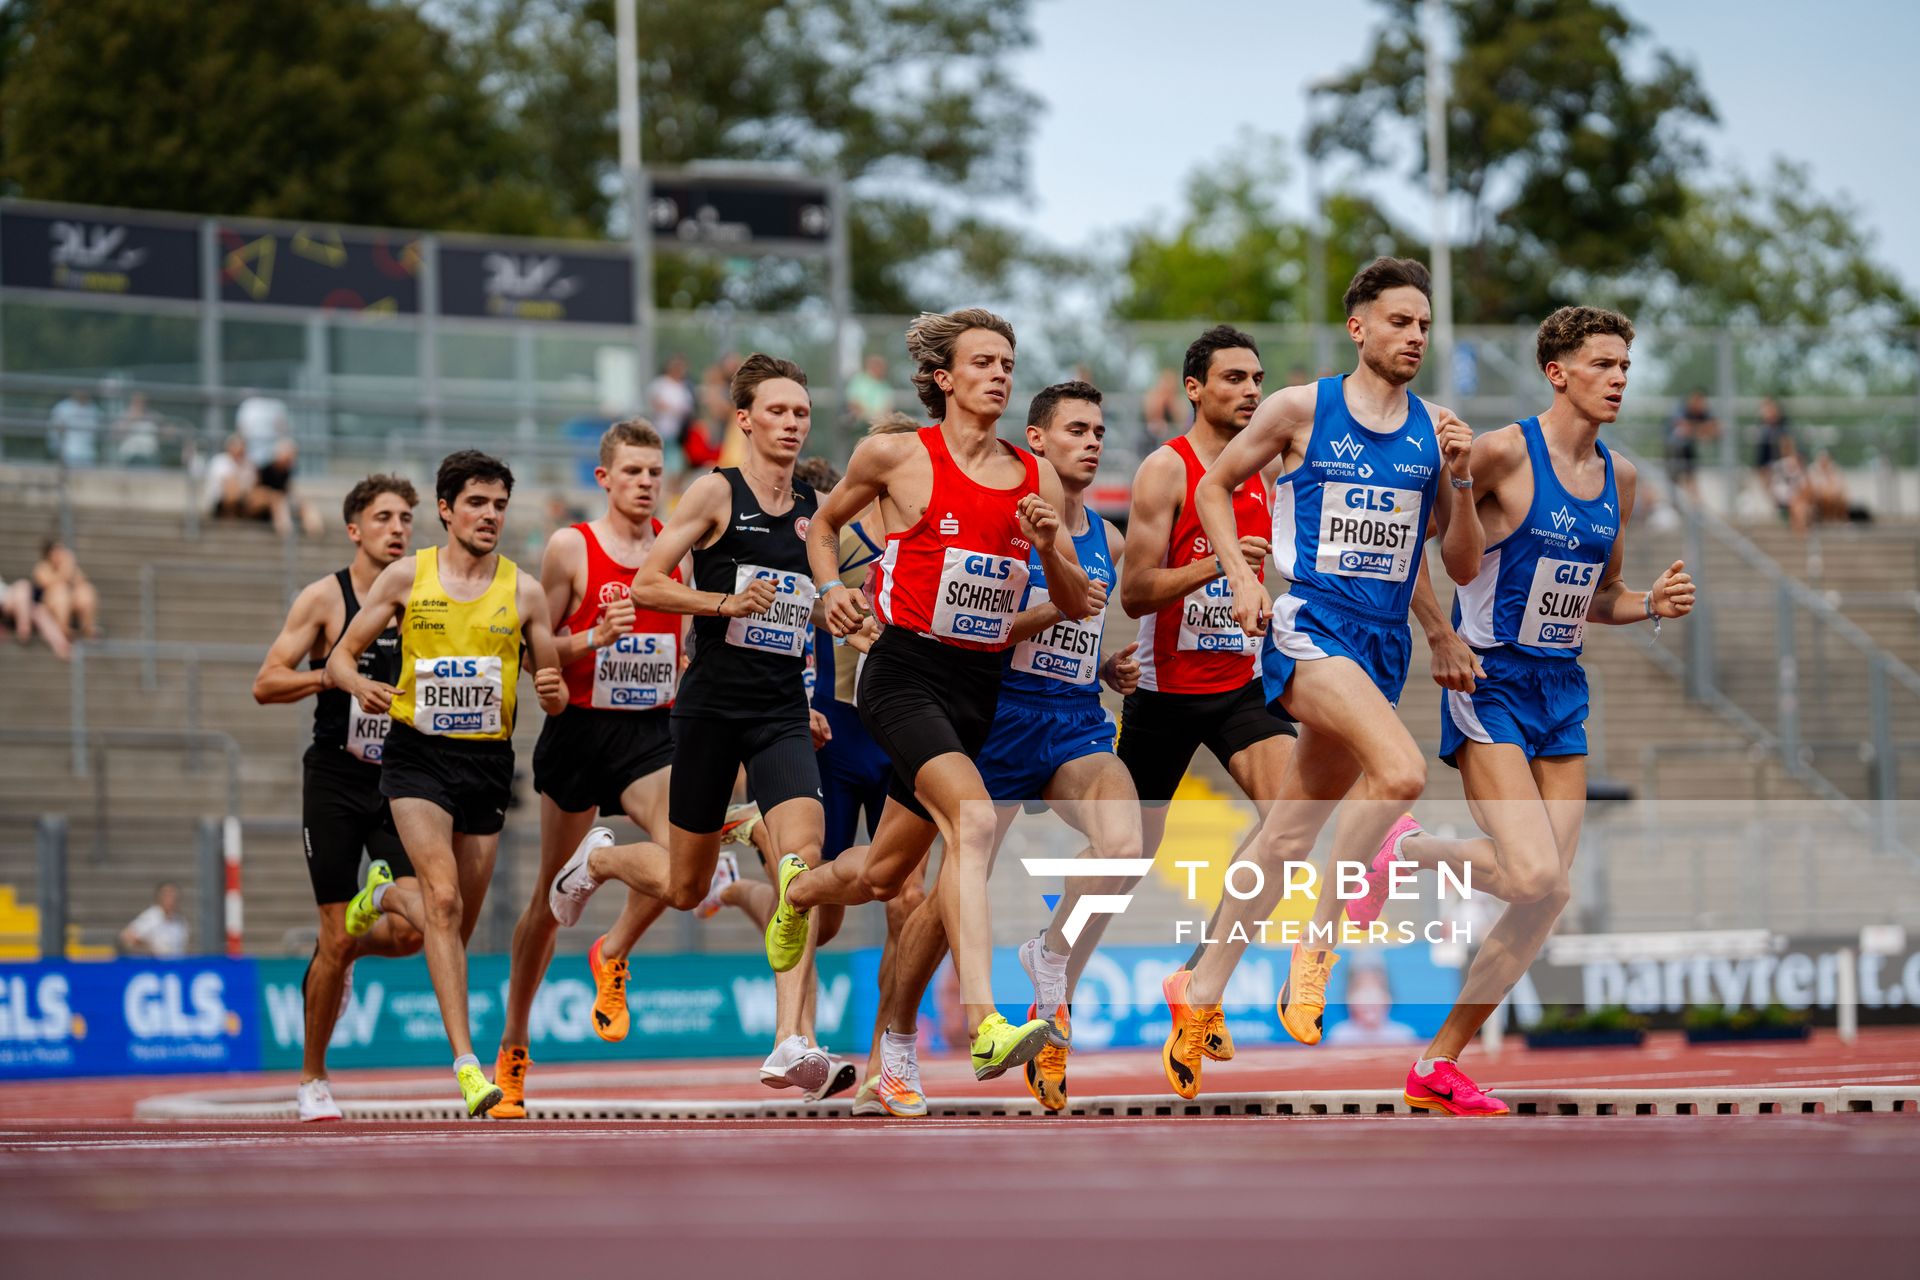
{"x": 1304, "y": 999}
{"x": 510, "y": 1075}
{"x": 1047, "y": 1072}
{"x": 610, "y": 1002}
{"x": 1215, "y": 1040}
{"x": 1182, "y": 1054}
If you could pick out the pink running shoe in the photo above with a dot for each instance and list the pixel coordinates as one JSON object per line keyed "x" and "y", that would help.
{"x": 1364, "y": 911}
{"x": 1446, "y": 1088}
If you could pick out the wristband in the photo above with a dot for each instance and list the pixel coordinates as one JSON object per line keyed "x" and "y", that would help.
{"x": 1461, "y": 484}
{"x": 1651, "y": 615}
{"x": 720, "y": 610}
{"x": 1219, "y": 565}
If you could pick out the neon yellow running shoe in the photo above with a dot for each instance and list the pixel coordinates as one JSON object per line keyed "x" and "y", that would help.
{"x": 787, "y": 930}
{"x": 481, "y": 1093}
{"x": 361, "y": 913}
{"x": 999, "y": 1046}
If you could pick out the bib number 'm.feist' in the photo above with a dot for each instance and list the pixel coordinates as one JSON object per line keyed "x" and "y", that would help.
{"x": 636, "y": 671}
{"x": 1367, "y": 531}
{"x": 784, "y": 627}
{"x": 979, "y": 596}
{"x": 457, "y": 695}
{"x": 1067, "y": 651}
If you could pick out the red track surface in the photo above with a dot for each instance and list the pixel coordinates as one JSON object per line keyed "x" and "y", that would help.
{"x": 83, "y": 1190}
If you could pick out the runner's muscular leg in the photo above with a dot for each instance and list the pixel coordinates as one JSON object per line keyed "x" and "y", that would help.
{"x": 427, "y": 832}
{"x": 645, "y": 804}
{"x": 534, "y": 934}
{"x": 796, "y": 826}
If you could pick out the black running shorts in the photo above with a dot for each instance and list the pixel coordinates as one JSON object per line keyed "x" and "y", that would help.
{"x": 588, "y": 756}
{"x": 1159, "y": 732}
{"x": 341, "y": 813}
{"x": 473, "y": 781}
{"x": 708, "y": 752}
{"x": 921, "y": 699}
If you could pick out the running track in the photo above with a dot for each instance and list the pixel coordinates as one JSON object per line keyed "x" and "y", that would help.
{"x": 84, "y": 1191}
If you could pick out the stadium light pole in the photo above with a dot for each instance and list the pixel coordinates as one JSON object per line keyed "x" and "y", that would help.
{"x": 626, "y": 28}
{"x": 1442, "y": 250}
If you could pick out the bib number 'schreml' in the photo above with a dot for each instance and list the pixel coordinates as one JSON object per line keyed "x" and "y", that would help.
{"x": 979, "y": 596}
{"x": 457, "y": 695}
{"x": 636, "y": 671}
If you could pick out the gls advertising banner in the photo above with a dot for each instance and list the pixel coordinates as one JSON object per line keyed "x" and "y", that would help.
{"x": 127, "y": 1017}
{"x": 689, "y": 1006}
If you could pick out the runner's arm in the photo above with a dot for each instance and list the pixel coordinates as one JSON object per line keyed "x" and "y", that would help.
{"x": 1146, "y": 584}
{"x": 1270, "y": 435}
{"x": 873, "y": 459}
{"x": 1454, "y": 663}
{"x": 706, "y": 506}
{"x": 279, "y": 678}
{"x": 1066, "y": 581}
{"x": 1462, "y": 537}
{"x": 1616, "y": 604}
{"x": 548, "y": 684}
{"x": 382, "y": 605}
{"x": 561, "y": 567}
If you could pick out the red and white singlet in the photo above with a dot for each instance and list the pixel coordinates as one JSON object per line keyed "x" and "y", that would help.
{"x": 638, "y": 670}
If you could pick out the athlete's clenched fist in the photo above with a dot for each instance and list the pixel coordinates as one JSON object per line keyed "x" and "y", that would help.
{"x": 1456, "y": 443}
{"x": 1038, "y": 520}
{"x": 551, "y": 688}
{"x": 753, "y": 599}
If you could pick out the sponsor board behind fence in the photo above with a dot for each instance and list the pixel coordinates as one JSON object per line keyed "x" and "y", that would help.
{"x": 127, "y": 1017}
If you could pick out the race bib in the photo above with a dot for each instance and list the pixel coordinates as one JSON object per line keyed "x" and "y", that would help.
{"x": 636, "y": 671}
{"x": 784, "y": 627}
{"x": 1368, "y": 532}
{"x": 1557, "y": 603}
{"x": 1067, "y": 651}
{"x": 366, "y": 735}
{"x": 457, "y": 695}
{"x": 1206, "y": 621}
{"x": 979, "y": 595}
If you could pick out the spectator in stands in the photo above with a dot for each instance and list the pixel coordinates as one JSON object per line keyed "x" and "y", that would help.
{"x": 869, "y": 398}
{"x": 1827, "y": 490}
{"x": 59, "y": 584}
{"x": 227, "y": 492}
{"x": 670, "y": 400}
{"x": 1786, "y": 479}
{"x": 1773, "y": 430}
{"x": 1163, "y": 409}
{"x": 1692, "y": 426}
{"x": 159, "y": 931}
{"x": 22, "y": 609}
{"x": 136, "y": 434}
{"x": 73, "y": 429}
{"x": 262, "y": 423}
{"x": 274, "y": 490}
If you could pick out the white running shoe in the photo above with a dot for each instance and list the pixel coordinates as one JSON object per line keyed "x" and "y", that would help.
{"x": 867, "y": 1101}
{"x": 573, "y": 886}
{"x": 841, "y": 1073}
{"x": 1049, "y": 975}
{"x": 316, "y": 1101}
{"x": 898, "y": 1090}
{"x": 725, "y": 872}
{"x": 795, "y": 1064}
{"x": 738, "y": 826}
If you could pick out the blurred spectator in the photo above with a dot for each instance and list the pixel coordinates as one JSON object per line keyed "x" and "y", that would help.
{"x": 1774, "y": 439}
{"x": 868, "y": 395}
{"x": 1693, "y": 426}
{"x": 22, "y": 610}
{"x": 136, "y": 434}
{"x": 73, "y": 429}
{"x": 1786, "y": 480}
{"x": 274, "y": 491}
{"x": 158, "y": 931}
{"x": 1369, "y": 1022}
{"x": 670, "y": 400}
{"x": 1827, "y": 491}
{"x": 262, "y": 423}
{"x": 230, "y": 482}
{"x": 59, "y": 584}
{"x": 1160, "y": 408}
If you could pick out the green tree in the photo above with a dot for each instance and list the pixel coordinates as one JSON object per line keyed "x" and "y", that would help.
{"x": 1569, "y": 164}
{"x": 337, "y": 109}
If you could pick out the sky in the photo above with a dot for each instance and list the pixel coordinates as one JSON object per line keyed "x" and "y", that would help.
{"x": 1139, "y": 91}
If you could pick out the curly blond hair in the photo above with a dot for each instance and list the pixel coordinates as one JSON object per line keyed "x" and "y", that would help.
{"x": 931, "y": 339}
